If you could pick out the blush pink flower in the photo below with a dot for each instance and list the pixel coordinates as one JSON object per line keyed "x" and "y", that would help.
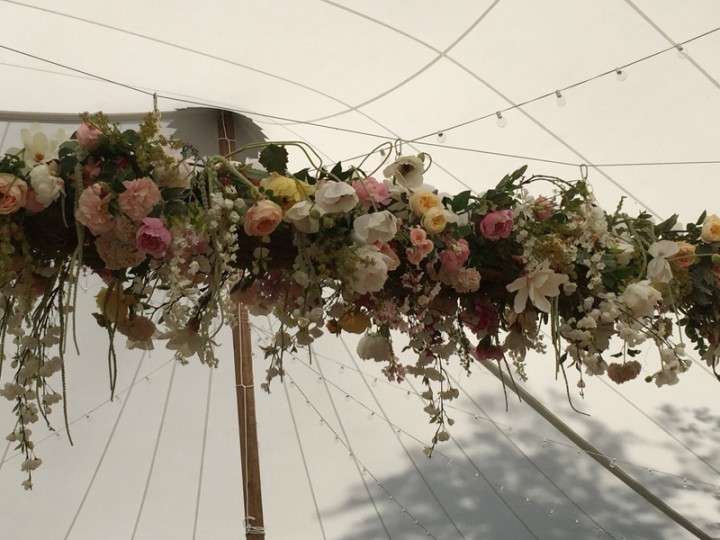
{"x": 88, "y": 137}
{"x": 385, "y": 249}
{"x": 497, "y": 225}
{"x": 465, "y": 280}
{"x": 417, "y": 236}
{"x": 92, "y": 210}
{"x": 153, "y": 237}
{"x": 262, "y": 218}
{"x": 139, "y": 197}
{"x": 370, "y": 190}
{"x": 13, "y": 192}
{"x": 543, "y": 209}
{"x": 455, "y": 256}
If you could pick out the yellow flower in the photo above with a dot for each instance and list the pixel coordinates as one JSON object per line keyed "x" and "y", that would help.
{"x": 114, "y": 307}
{"x": 355, "y": 322}
{"x": 289, "y": 190}
{"x": 434, "y": 220}
{"x": 422, "y": 201}
{"x": 711, "y": 229}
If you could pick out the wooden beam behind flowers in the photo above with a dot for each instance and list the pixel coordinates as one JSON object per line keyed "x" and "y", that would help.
{"x": 453, "y": 278}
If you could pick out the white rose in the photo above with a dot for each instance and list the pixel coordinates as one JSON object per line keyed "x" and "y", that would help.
{"x": 304, "y": 216}
{"x": 624, "y": 251}
{"x": 375, "y": 227}
{"x": 407, "y": 171}
{"x": 374, "y": 347}
{"x": 47, "y": 186}
{"x": 371, "y": 271}
{"x": 641, "y": 298}
{"x": 178, "y": 174}
{"x": 336, "y": 197}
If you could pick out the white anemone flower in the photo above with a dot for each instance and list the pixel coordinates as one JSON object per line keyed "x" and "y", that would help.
{"x": 407, "y": 171}
{"x": 538, "y": 285}
{"x": 658, "y": 270}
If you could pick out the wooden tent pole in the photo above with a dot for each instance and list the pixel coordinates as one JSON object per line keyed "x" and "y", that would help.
{"x": 244, "y": 385}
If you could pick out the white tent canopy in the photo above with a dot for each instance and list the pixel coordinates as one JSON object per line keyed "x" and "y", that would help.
{"x": 341, "y": 449}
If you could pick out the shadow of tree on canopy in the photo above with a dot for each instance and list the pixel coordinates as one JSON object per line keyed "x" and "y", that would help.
{"x": 501, "y": 494}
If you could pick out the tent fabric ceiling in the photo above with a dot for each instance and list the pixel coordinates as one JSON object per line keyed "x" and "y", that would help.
{"x": 345, "y": 76}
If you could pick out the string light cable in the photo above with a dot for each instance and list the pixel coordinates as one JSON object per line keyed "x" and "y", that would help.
{"x": 353, "y": 456}
{"x": 474, "y": 471}
{"x": 504, "y": 428}
{"x": 420, "y": 140}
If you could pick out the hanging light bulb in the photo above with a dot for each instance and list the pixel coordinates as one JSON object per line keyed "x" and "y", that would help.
{"x": 560, "y": 99}
{"x": 621, "y": 75}
{"x": 441, "y": 137}
{"x": 501, "y": 122}
{"x": 681, "y": 52}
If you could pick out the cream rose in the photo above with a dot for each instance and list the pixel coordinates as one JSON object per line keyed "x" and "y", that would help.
{"x": 711, "y": 229}
{"x": 13, "y": 193}
{"x": 374, "y": 347}
{"x": 262, "y": 218}
{"x": 47, "y": 186}
{"x": 434, "y": 220}
{"x": 422, "y": 201}
{"x": 336, "y": 197}
{"x": 641, "y": 298}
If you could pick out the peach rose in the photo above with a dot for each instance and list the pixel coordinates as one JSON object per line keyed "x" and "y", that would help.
{"x": 686, "y": 255}
{"x": 262, "y": 218}
{"x": 711, "y": 229}
{"x": 13, "y": 192}
{"x": 93, "y": 209}
{"x": 139, "y": 197}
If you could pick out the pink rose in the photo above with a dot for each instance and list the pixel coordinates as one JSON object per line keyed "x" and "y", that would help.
{"x": 417, "y": 236}
{"x": 153, "y": 237}
{"x": 262, "y": 218}
{"x": 139, "y": 197}
{"x": 13, "y": 192}
{"x": 455, "y": 256}
{"x": 544, "y": 209}
{"x": 93, "y": 210}
{"x": 497, "y": 225}
{"x": 88, "y": 137}
{"x": 369, "y": 190}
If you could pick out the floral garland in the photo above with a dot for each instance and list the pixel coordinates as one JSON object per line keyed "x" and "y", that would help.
{"x": 178, "y": 239}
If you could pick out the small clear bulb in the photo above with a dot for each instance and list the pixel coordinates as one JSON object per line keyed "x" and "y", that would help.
{"x": 681, "y": 52}
{"x": 621, "y": 75}
{"x": 441, "y": 137}
{"x": 560, "y": 99}
{"x": 501, "y": 122}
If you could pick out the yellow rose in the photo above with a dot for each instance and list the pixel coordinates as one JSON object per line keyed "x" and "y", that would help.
{"x": 711, "y": 229}
{"x": 686, "y": 255}
{"x": 422, "y": 201}
{"x": 287, "y": 189}
{"x": 434, "y": 220}
{"x": 355, "y": 322}
{"x": 114, "y": 307}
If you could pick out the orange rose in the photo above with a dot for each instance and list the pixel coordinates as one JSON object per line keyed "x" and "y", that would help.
{"x": 262, "y": 218}
{"x": 686, "y": 255}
